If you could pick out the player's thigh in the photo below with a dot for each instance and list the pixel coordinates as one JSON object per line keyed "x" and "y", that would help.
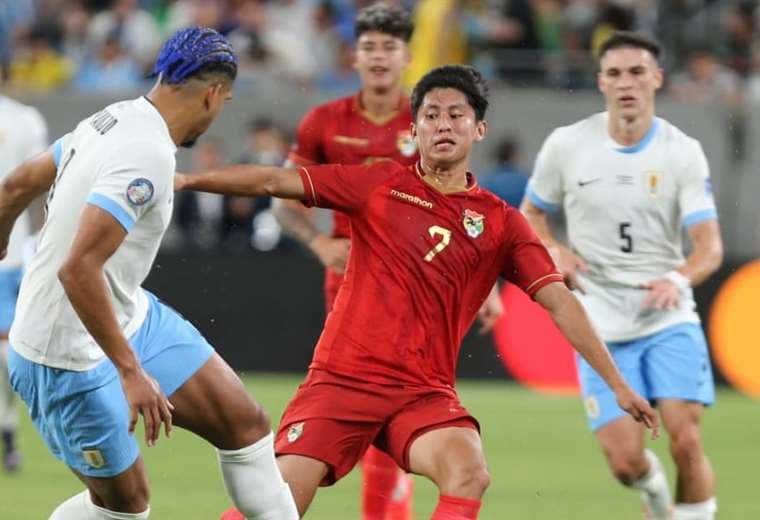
{"x": 677, "y": 365}
{"x": 599, "y": 400}
{"x": 215, "y": 404}
{"x": 304, "y": 475}
{"x": 622, "y": 441}
{"x": 682, "y": 420}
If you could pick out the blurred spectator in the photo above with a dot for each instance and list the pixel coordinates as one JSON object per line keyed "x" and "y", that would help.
{"x": 438, "y": 38}
{"x": 740, "y": 29}
{"x": 110, "y": 69}
{"x": 247, "y": 39}
{"x": 138, "y": 31}
{"x": 342, "y": 79}
{"x": 198, "y": 215}
{"x": 508, "y": 179}
{"x": 36, "y": 66}
{"x": 210, "y": 13}
{"x": 75, "y": 20}
{"x": 706, "y": 80}
{"x": 13, "y": 15}
{"x": 613, "y": 16}
{"x": 247, "y": 221}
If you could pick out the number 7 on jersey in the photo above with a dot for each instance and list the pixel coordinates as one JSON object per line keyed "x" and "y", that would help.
{"x": 445, "y": 235}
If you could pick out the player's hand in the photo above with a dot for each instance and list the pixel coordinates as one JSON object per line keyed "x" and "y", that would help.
{"x": 569, "y": 264}
{"x": 490, "y": 312}
{"x": 332, "y": 252}
{"x": 145, "y": 398}
{"x": 180, "y": 181}
{"x": 639, "y": 408}
{"x": 663, "y": 295}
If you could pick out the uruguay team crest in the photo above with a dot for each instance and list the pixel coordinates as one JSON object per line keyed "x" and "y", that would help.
{"x": 474, "y": 223}
{"x": 93, "y": 457}
{"x": 406, "y": 144}
{"x": 140, "y": 191}
{"x": 295, "y": 432}
{"x": 653, "y": 182}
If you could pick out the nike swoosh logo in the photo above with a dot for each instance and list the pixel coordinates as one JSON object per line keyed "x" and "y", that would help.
{"x": 584, "y": 183}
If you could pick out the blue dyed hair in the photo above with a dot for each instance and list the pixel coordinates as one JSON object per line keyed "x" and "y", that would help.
{"x": 193, "y": 51}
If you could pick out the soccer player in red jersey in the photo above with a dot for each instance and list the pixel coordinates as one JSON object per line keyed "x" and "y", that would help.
{"x": 371, "y": 125}
{"x": 427, "y": 246}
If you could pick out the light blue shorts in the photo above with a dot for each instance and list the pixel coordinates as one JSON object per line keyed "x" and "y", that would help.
{"x": 671, "y": 364}
{"x": 10, "y": 281}
{"x": 83, "y": 417}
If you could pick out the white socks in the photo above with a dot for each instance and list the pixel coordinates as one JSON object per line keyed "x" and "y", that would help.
{"x": 255, "y": 484}
{"x": 80, "y": 507}
{"x": 697, "y": 511}
{"x": 655, "y": 492}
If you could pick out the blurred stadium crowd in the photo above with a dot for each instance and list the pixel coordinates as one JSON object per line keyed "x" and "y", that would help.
{"x": 109, "y": 45}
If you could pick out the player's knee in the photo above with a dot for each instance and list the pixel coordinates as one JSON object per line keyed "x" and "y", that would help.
{"x": 686, "y": 446}
{"x": 134, "y": 500}
{"x": 469, "y": 481}
{"x": 251, "y": 426}
{"x": 627, "y": 468}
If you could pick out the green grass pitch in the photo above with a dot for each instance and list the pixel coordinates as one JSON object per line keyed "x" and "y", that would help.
{"x": 543, "y": 461}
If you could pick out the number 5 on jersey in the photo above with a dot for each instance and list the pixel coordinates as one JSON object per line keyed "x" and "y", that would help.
{"x": 445, "y": 235}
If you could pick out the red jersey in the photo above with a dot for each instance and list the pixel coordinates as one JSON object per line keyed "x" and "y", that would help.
{"x": 421, "y": 264}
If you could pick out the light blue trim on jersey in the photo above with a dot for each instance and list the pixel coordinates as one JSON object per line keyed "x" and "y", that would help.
{"x": 540, "y": 203}
{"x": 700, "y": 216}
{"x": 116, "y": 211}
{"x": 83, "y": 417}
{"x": 10, "y": 282}
{"x": 644, "y": 140}
{"x": 57, "y": 150}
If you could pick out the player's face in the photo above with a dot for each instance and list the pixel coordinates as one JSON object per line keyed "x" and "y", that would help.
{"x": 215, "y": 97}
{"x": 445, "y": 127}
{"x": 380, "y": 59}
{"x": 629, "y": 78}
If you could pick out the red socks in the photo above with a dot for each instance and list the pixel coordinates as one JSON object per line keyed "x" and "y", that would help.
{"x": 455, "y": 508}
{"x": 232, "y": 514}
{"x": 386, "y": 492}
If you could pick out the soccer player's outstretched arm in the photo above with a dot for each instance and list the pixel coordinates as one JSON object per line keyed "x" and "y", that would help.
{"x": 245, "y": 180}
{"x": 571, "y": 319}
{"x": 29, "y": 180}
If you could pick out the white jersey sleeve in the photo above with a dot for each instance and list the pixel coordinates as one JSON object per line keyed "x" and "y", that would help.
{"x": 695, "y": 197}
{"x": 545, "y": 188}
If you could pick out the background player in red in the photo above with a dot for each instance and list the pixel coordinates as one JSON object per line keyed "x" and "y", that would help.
{"x": 427, "y": 246}
{"x": 371, "y": 125}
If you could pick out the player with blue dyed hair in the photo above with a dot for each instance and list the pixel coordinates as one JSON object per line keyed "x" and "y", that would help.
{"x": 90, "y": 350}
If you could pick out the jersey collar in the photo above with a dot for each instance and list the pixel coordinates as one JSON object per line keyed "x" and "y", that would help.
{"x": 472, "y": 183}
{"x": 377, "y": 120}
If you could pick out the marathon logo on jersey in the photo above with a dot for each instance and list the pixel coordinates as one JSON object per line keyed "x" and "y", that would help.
{"x": 140, "y": 191}
{"x": 295, "y": 432}
{"x": 405, "y": 143}
{"x": 414, "y": 199}
{"x": 474, "y": 223}
{"x": 93, "y": 457}
{"x": 653, "y": 182}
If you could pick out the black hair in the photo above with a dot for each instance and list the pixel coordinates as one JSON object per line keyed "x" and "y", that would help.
{"x": 463, "y": 78}
{"x": 621, "y": 39}
{"x": 386, "y": 19}
{"x": 220, "y": 71}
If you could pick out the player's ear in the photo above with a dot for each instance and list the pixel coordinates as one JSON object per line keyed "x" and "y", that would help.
{"x": 481, "y": 129}
{"x": 413, "y": 130}
{"x": 659, "y": 76}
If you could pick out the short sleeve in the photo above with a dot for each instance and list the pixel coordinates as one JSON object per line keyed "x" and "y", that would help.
{"x": 545, "y": 186}
{"x": 528, "y": 264}
{"x": 58, "y": 147}
{"x": 344, "y": 187}
{"x": 129, "y": 187}
{"x": 695, "y": 196}
{"x": 307, "y": 148}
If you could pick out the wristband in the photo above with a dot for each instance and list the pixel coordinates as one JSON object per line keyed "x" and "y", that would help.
{"x": 678, "y": 279}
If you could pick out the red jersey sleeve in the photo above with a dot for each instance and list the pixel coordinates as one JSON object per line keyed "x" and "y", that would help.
{"x": 307, "y": 148}
{"x": 344, "y": 187}
{"x": 528, "y": 264}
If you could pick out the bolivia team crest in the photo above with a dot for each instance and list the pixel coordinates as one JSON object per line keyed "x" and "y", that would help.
{"x": 474, "y": 223}
{"x": 295, "y": 432}
{"x": 406, "y": 144}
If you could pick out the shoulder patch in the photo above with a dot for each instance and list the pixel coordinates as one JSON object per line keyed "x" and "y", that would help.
{"x": 140, "y": 191}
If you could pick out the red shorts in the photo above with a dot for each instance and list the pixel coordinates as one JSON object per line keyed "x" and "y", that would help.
{"x": 334, "y": 419}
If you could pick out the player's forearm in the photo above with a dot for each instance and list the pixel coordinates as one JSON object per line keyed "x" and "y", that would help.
{"x": 23, "y": 185}
{"x": 245, "y": 180}
{"x": 571, "y": 319}
{"x": 707, "y": 255}
{"x": 85, "y": 286}
{"x": 296, "y": 223}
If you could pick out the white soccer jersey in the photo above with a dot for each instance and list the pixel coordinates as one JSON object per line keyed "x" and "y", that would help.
{"x": 625, "y": 208}
{"x": 23, "y": 134}
{"x": 121, "y": 160}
